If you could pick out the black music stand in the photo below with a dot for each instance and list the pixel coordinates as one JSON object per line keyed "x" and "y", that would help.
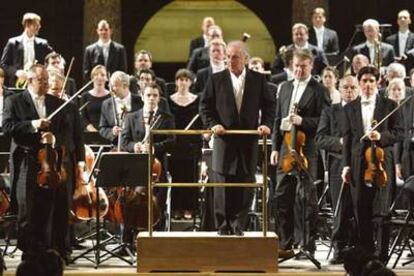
{"x": 115, "y": 169}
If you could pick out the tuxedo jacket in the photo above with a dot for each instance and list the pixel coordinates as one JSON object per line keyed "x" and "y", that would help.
{"x": 13, "y": 55}
{"x": 199, "y": 60}
{"x": 405, "y": 150}
{"x": 107, "y": 121}
{"x": 134, "y": 132}
{"x": 319, "y": 62}
{"x": 310, "y": 106}
{"x": 387, "y": 52}
{"x": 201, "y": 79}
{"x": 330, "y": 130}
{"x": 393, "y": 40}
{"x": 330, "y": 40}
{"x": 233, "y": 154}
{"x": 279, "y": 77}
{"x": 19, "y": 111}
{"x": 195, "y": 43}
{"x": 117, "y": 59}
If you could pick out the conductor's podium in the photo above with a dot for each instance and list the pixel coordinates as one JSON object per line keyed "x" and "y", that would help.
{"x": 207, "y": 252}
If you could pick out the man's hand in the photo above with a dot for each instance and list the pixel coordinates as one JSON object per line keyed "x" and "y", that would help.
{"x": 137, "y": 147}
{"x": 398, "y": 172}
{"x": 296, "y": 119}
{"x": 91, "y": 128}
{"x": 274, "y": 156}
{"x": 346, "y": 175}
{"x": 41, "y": 124}
{"x": 116, "y": 130}
{"x": 374, "y": 135}
{"x": 218, "y": 130}
{"x": 263, "y": 130}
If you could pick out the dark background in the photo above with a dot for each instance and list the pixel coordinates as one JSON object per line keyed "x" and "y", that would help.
{"x": 63, "y": 22}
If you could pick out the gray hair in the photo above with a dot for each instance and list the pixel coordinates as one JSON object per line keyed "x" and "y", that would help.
{"x": 121, "y": 77}
{"x": 397, "y": 68}
{"x": 371, "y": 22}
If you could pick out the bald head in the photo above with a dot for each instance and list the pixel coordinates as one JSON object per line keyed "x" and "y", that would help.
{"x": 237, "y": 56}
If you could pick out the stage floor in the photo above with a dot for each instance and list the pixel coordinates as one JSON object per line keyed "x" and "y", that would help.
{"x": 114, "y": 266}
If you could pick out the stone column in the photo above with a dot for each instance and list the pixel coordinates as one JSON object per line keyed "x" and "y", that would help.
{"x": 302, "y": 10}
{"x": 94, "y": 11}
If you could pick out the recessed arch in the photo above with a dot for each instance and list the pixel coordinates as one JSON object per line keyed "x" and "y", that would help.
{"x": 168, "y": 32}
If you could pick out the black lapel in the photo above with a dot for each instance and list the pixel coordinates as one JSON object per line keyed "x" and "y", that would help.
{"x": 307, "y": 94}
{"x": 397, "y": 44}
{"x": 248, "y": 89}
{"x": 31, "y": 109}
{"x": 379, "y": 108}
{"x": 37, "y": 50}
{"x": 365, "y": 52}
{"x": 358, "y": 115}
{"x": 111, "y": 54}
{"x": 99, "y": 53}
{"x": 287, "y": 99}
{"x": 229, "y": 90}
{"x": 20, "y": 50}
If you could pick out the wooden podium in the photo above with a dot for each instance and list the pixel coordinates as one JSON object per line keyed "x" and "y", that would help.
{"x": 207, "y": 252}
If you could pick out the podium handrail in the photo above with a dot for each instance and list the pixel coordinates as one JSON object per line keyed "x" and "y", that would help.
{"x": 152, "y": 184}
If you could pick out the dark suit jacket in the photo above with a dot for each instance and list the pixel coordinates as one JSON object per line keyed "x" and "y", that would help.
{"x": 387, "y": 52}
{"x": 73, "y": 137}
{"x": 279, "y": 77}
{"x": 319, "y": 63}
{"x": 6, "y": 93}
{"x": 199, "y": 60}
{"x": 311, "y": 104}
{"x": 353, "y": 150}
{"x": 13, "y": 55}
{"x": 117, "y": 59}
{"x": 195, "y": 43}
{"x": 330, "y": 130}
{"x": 393, "y": 40}
{"x": 19, "y": 111}
{"x": 330, "y": 40}
{"x": 134, "y": 132}
{"x": 218, "y": 106}
{"x": 107, "y": 121}
{"x": 405, "y": 152}
{"x": 201, "y": 79}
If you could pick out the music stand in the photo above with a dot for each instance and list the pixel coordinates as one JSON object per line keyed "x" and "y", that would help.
{"x": 115, "y": 169}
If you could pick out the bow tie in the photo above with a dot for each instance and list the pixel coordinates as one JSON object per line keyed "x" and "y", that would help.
{"x": 367, "y": 102}
{"x": 39, "y": 98}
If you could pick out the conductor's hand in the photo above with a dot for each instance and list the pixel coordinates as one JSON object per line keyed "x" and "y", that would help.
{"x": 137, "y": 147}
{"x": 48, "y": 138}
{"x": 374, "y": 136}
{"x": 218, "y": 130}
{"x": 41, "y": 124}
{"x": 274, "y": 156}
{"x": 346, "y": 175}
{"x": 116, "y": 130}
{"x": 263, "y": 130}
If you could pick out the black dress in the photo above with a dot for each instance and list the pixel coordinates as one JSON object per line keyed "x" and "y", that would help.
{"x": 91, "y": 113}
{"x": 184, "y": 159}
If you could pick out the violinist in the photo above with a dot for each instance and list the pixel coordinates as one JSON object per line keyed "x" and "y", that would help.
{"x": 113, "y": 109}
{"x": 25, "y": 120}
{"x": 329, "y": 138}
{"x": 73, "y": 162}
{"x": 135, "y": 131}
{"x": 370, "y": 198}
{"x": 310, "y": 98}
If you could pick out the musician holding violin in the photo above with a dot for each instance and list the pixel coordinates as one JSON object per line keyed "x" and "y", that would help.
{"x": 367, "y": 142}
{"x": 73, "y": 161}
{"x": 135, "y": 135}
{"x": 34, "y": 172}
{"x": 298, "y": 109}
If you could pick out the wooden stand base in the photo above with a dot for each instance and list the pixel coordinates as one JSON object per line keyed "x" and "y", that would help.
{"x": 206, "y": 252}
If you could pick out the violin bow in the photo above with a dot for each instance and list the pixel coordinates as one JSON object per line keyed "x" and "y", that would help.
{"x": 385, "y": 118}
{"x": 192, "y": 122}
{"x": 67, "y": 77}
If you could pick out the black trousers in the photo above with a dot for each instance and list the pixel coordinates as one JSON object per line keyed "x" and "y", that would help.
{"x": 231, "y": 205}
{"x": 288, "y": 203}
{"x": 184, "y": 171}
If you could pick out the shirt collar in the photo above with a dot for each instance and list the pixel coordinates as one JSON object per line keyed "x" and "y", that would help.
{"x": 370, "y": 45}
{"x": 404, "y": 33}
{"x": 304, "y": 82}
{"x": 104, "y": 44}
{"x": 306, "y": 46}
{"x": 34, "y": 96}
{"x": 126, "y": 99}
{"x": 217, "y": 67}
{"x": 26, "y": 38}
{"x": 146, "y": 111}
{"x": 370, "y": 100}
{"x": 242, "y": 75}
{"x": 321, "y": 29}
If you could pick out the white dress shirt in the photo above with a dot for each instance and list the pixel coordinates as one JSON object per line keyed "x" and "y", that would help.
{"x": 215, "y": 68}
{"x": 238, "y": 87}
{"x": 371, "y": 48}
{"x": 39, "y": 103}
{"x": 306, "y": 46}
{"x": 319, "y": 36}
{"x": 122, "y": 104}
{"x": 402, "y": 41}
{"x": 105, "y": 49}
{"x": 298, "y": 90}
{"x": 28, "y": 52}
{"x": 367, "y": 110}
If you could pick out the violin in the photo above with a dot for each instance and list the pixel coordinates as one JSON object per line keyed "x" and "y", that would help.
{"x": 51, "y": 174}
{"x": 294, "y": 140}
{"x": 374, "y": 158}
{"x": 4, "y": 202}
{"x": 85, "y": 203}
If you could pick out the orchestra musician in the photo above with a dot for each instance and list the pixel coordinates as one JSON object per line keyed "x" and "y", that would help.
{"x": 233, "y": 99}
{"x": 136, "y": 128}
{"x": 311, "y": 97}
{"x": 21, "y": 52}
{"x": 25, "y": 120}
{"x": 110, "y": 126}
{"x": 105, "y": 51}
{"x": 4, "y": 92}
{"x": 371, "y": 201}
{"x": 326, "y": 39}
{"x": 202, "y": 41}
{"x": 73, "y": 161}
{"x": 329, "y": 138}
{"x": 403, "y": 40}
